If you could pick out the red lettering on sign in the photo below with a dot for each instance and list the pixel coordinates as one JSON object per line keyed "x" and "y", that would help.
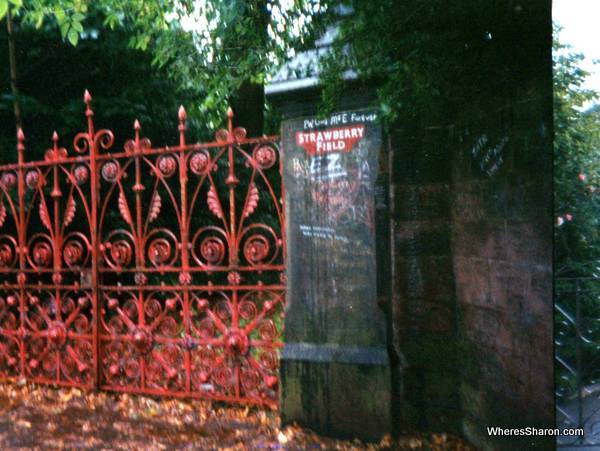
{"x": 321, "y": 142}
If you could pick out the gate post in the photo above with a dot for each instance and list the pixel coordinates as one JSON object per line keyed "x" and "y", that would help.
{"x": 335, "y": 368}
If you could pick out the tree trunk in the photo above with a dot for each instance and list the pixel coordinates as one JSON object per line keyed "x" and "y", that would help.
{"x": 12, "y": 57}
{"x": 248, "y": 104}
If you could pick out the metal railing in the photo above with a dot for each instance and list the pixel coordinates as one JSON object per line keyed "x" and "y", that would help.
{"x": 577, "y": 359}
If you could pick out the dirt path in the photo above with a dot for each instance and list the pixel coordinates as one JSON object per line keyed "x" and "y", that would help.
{"x": 36, "y": 417}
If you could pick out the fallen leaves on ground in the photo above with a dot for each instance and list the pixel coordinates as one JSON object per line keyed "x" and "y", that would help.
{"x": 42, "y": 417}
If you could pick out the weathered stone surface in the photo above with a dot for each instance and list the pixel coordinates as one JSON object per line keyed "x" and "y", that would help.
{"x": 522, "y": 242}
{"x": 472, "y": 281}
{"x": 421, "y": 202}
{"x": 483, "y": 238}
{"x": 346, "y": 400}
{"x": 421, "y": 158}
{"x": 335, "y": 365}
{"x": 422, "y": 238}
{"x": 503, "y": 286}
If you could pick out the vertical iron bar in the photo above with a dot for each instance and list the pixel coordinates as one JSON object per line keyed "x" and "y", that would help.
{"x": 139, "y": 240}
{"x": 56, "y": 275}
{"x": 185, "y": 277}
{"x": 578, "y": 355}
{"x": 234, "y": 327}
{"x": 94, "y": 190}
{"x": 283, "y": 209}
{"x": 231, "y": 182}
{"x": 137, "y": 189}
{"x": 21, "y": 278}
{"x": 233, "y": 248}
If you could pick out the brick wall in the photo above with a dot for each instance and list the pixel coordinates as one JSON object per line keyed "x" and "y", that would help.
{"x": 472, "y": 230}
{"x": 472, "y": 294}
{"x": 501, "y": 242}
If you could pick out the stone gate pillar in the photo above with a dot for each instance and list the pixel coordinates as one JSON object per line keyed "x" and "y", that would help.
{"x": 335, "y": 370}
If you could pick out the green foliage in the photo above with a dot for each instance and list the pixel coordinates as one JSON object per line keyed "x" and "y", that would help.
{"x": 434, "y": 60}
{"x": 577, "y": 209}
{"x": 210, "y": 47}
{"x": 145, "y": 17}
{"x": 52, "y": 77}
{"x": 3, "y": 7}
{"x": 576, "y": 165}
{"x": 235, "y": 42}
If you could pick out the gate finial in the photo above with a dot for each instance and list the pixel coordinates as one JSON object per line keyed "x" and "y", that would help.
{"x": 87, "y": 99}
{"x": 21, "y": 145}
{"x": 137, "y": 127}
{"x": 230, "y": 122}
{"x": 55, "y": 145}
{"x": 182, "y": 115}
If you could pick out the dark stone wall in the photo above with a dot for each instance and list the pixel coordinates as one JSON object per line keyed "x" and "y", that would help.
{"x": 424, "y": 299}
{"x": 472, "y": 232}
{"x": 472, "y": 263}
{"x": 501, "y": 242}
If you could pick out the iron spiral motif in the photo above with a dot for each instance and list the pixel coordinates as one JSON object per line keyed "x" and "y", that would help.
{"x": 59, "y": 331}
{"x": 141, "y": 269}
{"x": 186, "y": 222}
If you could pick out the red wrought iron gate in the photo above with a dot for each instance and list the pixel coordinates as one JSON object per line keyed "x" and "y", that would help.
{"x": 146, "y": 270}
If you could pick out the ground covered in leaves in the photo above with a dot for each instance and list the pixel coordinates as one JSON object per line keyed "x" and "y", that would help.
{"x": 37, "y": 417}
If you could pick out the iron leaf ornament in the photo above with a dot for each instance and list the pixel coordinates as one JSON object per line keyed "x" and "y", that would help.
{"x": 70, "y": 211}
{"x": 213, "y": 203}
{"x": 2, "y": 213}
{"x": 252, "y": 200}
{"x": 155, "y": 206}
{"x": 44, "y": 215}
{"x": 124, "y": 208}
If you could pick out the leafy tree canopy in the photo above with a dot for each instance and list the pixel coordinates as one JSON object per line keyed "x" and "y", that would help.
{"x": 434, "y": 57}
{"x": 52, "y": 77}
{"x": 577, "y": 209}
{"x": 576, "y": 165}
{"x": 211, "y": 47}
